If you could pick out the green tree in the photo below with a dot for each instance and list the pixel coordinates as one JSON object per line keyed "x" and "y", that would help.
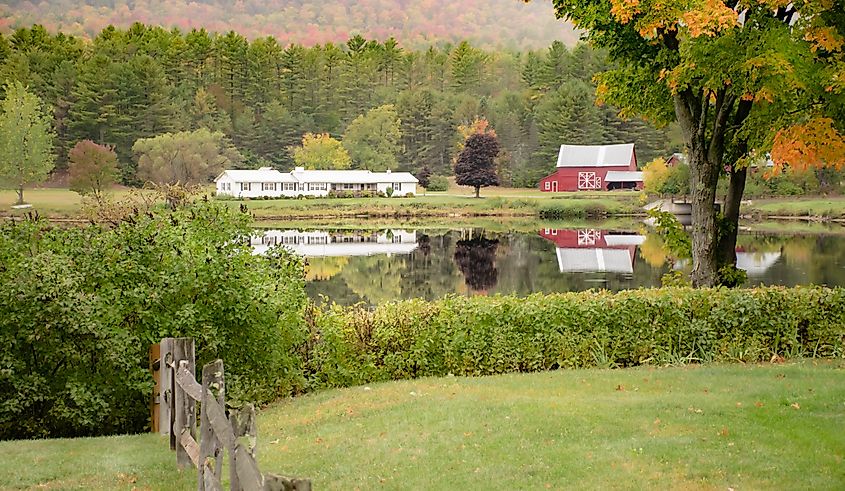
{"x": 26, "y": 140}
{"x": 372, "y": 139}
{"x": 321, "y": 151}
{"x": 476, "y": 163}
{"x": 92, "y": 168}
{"x": 766, "y": 78}
{"x": 186, "y": 157}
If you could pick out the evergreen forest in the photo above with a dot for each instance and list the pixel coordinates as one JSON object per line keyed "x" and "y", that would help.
{"x": 129, "y": 84}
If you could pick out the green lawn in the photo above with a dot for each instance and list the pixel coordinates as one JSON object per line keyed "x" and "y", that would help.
{"x": 711, "y": 427}
{"x": 832, "y": 207}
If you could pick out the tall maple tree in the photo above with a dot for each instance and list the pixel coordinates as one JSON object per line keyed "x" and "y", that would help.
{"x": 741, "y": 77}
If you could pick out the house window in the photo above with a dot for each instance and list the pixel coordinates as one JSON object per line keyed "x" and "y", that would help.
{"x": 268, "y": 186}
{"x": 246, "y": 186}
{"x": 588, "y": 180}
{"x": 397, "y": 186}
{"x": 289, "y": 186}
{"x": 548, "y": 186}
{"x": 319, "y": 186}
{"x": 348, "y": 187}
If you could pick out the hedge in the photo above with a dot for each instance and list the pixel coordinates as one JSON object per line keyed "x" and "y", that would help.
{"x": 489, "y": 335}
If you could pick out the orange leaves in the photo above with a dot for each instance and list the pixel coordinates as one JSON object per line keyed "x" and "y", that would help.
{"x": 825, "y": 38}
{"x": 711, "y": 17}
{"x": 816, "y": 143}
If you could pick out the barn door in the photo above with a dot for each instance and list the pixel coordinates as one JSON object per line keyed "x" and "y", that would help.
{"x": 554, "y": 186}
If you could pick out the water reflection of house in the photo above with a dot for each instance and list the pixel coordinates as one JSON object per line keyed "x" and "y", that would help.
{"x": 592, "y": 250}
{"x": 321, "y": 243}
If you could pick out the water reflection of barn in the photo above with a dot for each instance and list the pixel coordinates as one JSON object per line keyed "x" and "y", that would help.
{"x": 594, "y": 251}
{"x": 322, "y": 243}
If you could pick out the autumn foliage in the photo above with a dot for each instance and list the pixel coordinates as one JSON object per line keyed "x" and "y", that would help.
{"x": 92, "y": 168}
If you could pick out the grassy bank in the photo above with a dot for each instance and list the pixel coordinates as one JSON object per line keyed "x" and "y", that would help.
{"x": 456, "y": 203}
{"x": 696, "y": 427}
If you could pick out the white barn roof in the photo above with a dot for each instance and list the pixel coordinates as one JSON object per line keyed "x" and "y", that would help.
{"x": 623, "y": 176}
{"x": 595, "y": 155}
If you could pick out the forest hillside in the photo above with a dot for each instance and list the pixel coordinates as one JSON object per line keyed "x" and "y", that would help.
{"x": 487, "y": 23}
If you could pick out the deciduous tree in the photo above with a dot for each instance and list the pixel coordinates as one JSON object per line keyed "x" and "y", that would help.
{"x": 738, "y": 77}
{"x": 187, "y": 157}
{"x": 372, "y": 139}
{"x": 26, "y": 140}
{"x": 92, "y": 169}
{"x": 321, "y": 151}
{"x": 476, "y": 163}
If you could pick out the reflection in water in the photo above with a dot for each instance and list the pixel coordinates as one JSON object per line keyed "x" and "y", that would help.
{"x": 591, "y": 250}
{"x": 382, "y": 265}
{"x": 476, "y": 259}
{"x": 320, "y": 243}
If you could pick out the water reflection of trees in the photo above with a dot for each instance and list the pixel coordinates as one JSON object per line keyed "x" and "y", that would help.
{"x": 476, "y": 258}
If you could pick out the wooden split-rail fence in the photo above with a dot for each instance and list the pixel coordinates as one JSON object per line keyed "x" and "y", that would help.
{"x": 174, "y": 410}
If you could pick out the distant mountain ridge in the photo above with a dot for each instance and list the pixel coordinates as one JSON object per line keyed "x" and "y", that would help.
{"x": 500, "y": 23}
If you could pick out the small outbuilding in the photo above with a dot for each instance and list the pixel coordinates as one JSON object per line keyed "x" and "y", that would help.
{"x": 594, "y": 167}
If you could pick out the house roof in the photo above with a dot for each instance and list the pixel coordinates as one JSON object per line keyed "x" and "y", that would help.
{"x": 352, "y": 176}
{"x": 623, "y": 176}
{"x": 264, "y": 174}
{"x": 595, "y": 155}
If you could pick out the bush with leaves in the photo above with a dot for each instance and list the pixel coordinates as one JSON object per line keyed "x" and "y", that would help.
{"x": 499, "y": 334}
{"x": 82, "y": 305}
{"x": 437, "y": 183}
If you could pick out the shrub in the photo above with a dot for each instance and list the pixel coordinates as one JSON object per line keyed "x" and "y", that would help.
{"x": 488, "y": 335}
{"x": 437, "y": 183}
{"x": 82, "y": 305}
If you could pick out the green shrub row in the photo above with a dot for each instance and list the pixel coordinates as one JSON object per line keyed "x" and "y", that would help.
{"x": 489, "y": 335}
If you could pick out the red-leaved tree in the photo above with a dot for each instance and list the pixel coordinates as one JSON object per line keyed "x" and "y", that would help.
{"x": 476, "y": 166}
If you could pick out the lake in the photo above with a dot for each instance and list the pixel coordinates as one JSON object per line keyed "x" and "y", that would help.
{"x": 374, "y": 266}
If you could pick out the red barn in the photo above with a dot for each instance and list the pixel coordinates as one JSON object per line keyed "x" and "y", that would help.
{"x": 593, "y": 167}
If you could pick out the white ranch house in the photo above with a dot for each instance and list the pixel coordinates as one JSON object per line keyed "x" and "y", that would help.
{"x": 270, "y": 183}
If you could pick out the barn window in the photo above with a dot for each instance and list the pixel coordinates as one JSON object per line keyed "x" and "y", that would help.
{"x": 548, "y": 185}
{"x": 588, "y": 180}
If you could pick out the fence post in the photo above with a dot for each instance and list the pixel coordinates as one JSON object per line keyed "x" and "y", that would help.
{"x": 177, "y": 411}
{"x": 156, "y": 399}
{"x": 184, "y": 406}
{"x": 212, "y": 378}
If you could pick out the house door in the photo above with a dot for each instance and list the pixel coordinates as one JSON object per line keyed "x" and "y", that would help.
{"x": 554, "y": 186}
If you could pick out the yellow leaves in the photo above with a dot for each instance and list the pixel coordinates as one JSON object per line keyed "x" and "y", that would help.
{"x": 825, "y": 38}
{"x": 625, "y": 10}
{"x": 814, "y": 144}
{"x": 711, "y": 17}
{"x": 764, "y": 95}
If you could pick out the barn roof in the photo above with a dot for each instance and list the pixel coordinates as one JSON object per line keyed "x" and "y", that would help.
{"x": 595, "y": 155}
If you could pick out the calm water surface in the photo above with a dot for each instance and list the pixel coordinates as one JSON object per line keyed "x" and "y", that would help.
{"x": 374, "y": 266}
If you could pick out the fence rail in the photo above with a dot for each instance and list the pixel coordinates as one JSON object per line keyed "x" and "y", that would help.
{"x": 234, "y": 435}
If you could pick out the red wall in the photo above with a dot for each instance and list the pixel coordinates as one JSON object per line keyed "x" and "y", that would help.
{"x": 567, "y": 177}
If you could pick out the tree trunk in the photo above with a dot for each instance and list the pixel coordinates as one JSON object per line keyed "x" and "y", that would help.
{"x": 730, "y": 228}
{"x": 477, "y": 190}
{"x": 20, "y": 195}
{"x": 705, "y": 234}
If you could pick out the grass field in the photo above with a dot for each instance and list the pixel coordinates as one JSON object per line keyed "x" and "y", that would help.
{"x": 457, "y": 202}
{"x": 710, "y": 427}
